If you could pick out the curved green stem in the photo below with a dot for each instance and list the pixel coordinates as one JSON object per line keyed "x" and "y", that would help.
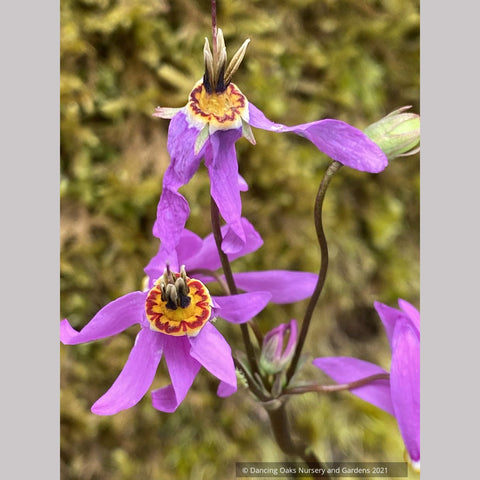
{"x": 322, "y": 190}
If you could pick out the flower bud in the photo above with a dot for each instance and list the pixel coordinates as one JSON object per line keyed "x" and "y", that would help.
{"x": 397, "y": 134}
{"x": 278, "y": 347}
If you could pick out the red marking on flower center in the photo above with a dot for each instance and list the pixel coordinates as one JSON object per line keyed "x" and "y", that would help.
{"x": 222, "y": 110}
{"x": 181, "y": 321}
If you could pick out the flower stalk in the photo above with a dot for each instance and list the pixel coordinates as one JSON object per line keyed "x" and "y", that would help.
{"x": 281, "y": 431}
{"x": 214, "y": 25}
{"x": 322, "y": 190}
{"x": 227, "y": 270}
{"x": 338, "y": 387}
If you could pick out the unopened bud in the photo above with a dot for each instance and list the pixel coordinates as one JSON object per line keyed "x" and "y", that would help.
{"x": 397, "y": 134}
{"x": 278, "y": 347}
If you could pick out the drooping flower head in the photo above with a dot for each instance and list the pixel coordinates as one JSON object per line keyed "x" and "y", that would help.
{"x": 400, "y": 395}
{"x": 216, "y": 116}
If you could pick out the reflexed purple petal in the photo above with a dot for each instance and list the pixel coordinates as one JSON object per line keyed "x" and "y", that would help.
{"x": 253, "y": 240}
{"x": 110, "y": 320}
{"x": 183, "y": 369}
{"x": 214, "y": 353}
{"x": 241, "y": 308}
{"x": 285, "y": 286}
{"x": 181, "y": 147}
{"x": 405, "y": 386}
{"x": 223, "y": 171}
{"x": 205, "y": 258}
{"x": 234, "y": 238}
{"x": 156, "y": 266}
{"x": 242, "y": 184}
{"x": 172, "y": 214}
{"x": 348, "y": 369}
{"x": 389, "y": 316}
{"x": 188, "y": 245}
{"x": 337, "y": 139}
{"x": 208, "y": 257}
{"x": 136, "y": 377}
{"x": 173, "y": 209}
{"x": 412, "y": 313}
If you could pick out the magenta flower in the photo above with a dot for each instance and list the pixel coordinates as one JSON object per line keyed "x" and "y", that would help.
{"x": 216, "y": 116}
{"x": 174, "y": 316}
{"x": 184, "y": 354}
{"x": 399, "y": 396}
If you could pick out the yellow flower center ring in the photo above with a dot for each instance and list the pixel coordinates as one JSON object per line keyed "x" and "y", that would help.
{"x": 221, "y": 111}
{"x": 175, "y": 319}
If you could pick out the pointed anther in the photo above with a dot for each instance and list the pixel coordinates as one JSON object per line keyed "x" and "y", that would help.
{"x": 236, "y": 61}
{"x": 217, "y": 75}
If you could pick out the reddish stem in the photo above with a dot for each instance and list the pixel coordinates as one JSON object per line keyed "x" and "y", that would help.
{"x": 338, "y": 387}
{"x": 214, "y": 27}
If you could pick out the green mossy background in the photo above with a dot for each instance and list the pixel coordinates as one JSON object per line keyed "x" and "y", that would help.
{"x": 308, "y": 59}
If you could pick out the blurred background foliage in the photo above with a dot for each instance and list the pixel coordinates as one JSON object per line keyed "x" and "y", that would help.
{"x": 352, "y": 60}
